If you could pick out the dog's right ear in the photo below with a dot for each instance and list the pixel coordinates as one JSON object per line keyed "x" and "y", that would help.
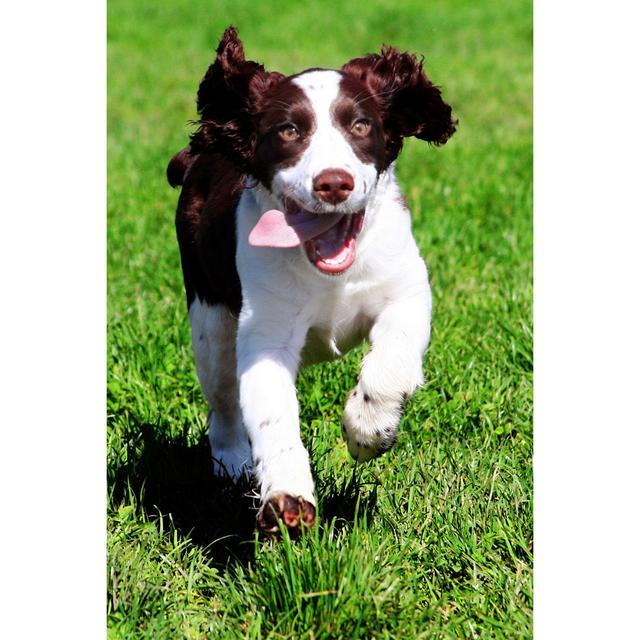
{"x": 228, "y": 98}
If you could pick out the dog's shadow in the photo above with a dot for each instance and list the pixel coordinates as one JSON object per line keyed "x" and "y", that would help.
{"x": 172, "y": 479}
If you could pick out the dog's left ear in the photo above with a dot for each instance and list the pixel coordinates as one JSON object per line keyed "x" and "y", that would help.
{"x": 411, "y": 104}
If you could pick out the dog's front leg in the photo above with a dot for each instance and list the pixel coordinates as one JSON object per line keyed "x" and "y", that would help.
{"x": 268, "y": 357}
{"x": 390, "y": 373}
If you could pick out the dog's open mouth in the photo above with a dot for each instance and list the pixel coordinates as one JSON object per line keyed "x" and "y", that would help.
{"x": 329, "y": 239}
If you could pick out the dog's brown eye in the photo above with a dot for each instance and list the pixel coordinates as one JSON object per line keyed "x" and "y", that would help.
{"x": 288, "y": 133}
{"x": 361, "y": 128}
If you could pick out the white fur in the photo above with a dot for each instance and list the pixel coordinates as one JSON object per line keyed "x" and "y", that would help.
{"x": 213, "y": 337}
{"x": 292, "y": 313}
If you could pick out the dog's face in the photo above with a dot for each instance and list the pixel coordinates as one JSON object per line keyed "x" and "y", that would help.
{"x": 318, "y": 140}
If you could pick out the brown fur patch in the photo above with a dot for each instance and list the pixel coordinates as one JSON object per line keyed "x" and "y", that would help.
{"x": 205, "y": 226}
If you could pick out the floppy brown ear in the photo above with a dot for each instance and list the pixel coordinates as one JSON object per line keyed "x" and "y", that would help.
{"x": 411, "y": 104}
{"x": 227, "y": 100}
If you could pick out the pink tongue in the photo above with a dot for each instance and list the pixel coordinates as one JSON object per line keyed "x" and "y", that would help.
{"x": 277, "y": 229}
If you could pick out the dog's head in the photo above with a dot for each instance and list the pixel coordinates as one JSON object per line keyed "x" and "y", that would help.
{"x": 317, "y": 140}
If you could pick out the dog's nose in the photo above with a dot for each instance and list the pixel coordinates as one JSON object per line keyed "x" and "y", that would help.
{"x": 333, "y": 185}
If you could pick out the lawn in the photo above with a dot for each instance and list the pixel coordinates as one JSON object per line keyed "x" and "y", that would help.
{"x": 434, "y": 539}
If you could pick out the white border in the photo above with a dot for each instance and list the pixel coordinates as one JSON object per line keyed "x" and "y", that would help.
{"x": 586, "y": 319}
{"x": 52, "y": 257}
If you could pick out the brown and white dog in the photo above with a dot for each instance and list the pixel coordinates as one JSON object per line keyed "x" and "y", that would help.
{"x": 296, "y": 244}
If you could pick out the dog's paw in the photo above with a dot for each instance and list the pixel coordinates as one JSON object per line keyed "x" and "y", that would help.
{"x": 295, "y": 513}
{"x": 370, "y": 423}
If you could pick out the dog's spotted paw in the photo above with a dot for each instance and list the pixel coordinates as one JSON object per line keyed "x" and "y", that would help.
{"x": 370, "y": 423}
{"x": 295, "y": 513}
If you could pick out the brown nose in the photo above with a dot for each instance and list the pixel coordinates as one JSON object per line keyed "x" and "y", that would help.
{"x": 333, "y": 185}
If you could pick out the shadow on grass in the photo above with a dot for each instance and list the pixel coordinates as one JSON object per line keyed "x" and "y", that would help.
{"x": 172, "y": 479}
{"x": 345, "y": 500}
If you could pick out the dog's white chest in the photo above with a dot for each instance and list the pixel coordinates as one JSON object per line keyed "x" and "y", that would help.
{"x": 328, "y": 342}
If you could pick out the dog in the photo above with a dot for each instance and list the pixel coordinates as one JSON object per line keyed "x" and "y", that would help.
{"x": 296, "y": 245}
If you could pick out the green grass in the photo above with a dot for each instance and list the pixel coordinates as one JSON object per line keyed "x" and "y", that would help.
{"x": 433, "y": 540}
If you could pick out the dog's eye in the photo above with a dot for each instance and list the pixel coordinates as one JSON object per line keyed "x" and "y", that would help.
{"x": 361, "y": 128}
{"x": 288, "y": 133}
